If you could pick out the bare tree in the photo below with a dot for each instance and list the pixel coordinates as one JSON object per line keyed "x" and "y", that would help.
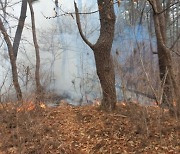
{"x": 37, "y": 74}
{"x": 102, "y": 52}
{"x": 171, "y": 89}
{"x": 13, "y": 48}
{"x": 12, "y": 61}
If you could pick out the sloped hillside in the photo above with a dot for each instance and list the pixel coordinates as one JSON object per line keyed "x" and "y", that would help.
{"x": 84, "y": 130}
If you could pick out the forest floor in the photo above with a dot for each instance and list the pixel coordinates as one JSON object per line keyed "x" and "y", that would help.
{"x": 67, "y": 129}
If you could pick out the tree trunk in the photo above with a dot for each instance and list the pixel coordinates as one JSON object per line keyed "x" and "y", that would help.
{"x": 37, "y": 71}
{"x": 20, "y": 27}
{"x": 106, "y": 74}
{"x": 171, "y": 89}
{"x": 13, "y": 49}
{"x": 102, "y": 52}
{"x": 12, "y": 61}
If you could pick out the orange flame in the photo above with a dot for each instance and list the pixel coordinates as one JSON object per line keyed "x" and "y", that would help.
{"x": 174, "y": 103}
{"x": 29, "y": 106}
{"x": 26, "y": 107}
{"x": 123, "y": 104}
{"x": 42, "y": 105}
{"x": 96, "y": 102}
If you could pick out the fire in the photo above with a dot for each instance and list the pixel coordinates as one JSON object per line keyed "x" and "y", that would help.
{"x": 154, "y": 104}
{"x": 42, "y": 105}
{"x": 123, "y": 104}
{"x": 174, "y": 103}
{"x": 166, "y": 110}
{"x": 29, "y": 106}
{"x": 26, "y": 107}
{"x": 96, "y": 102}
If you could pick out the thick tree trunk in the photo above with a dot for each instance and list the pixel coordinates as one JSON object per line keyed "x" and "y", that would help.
{"x": 102, "y": 52}
{"x": 106, "y": 74}
{"x": 37, "y": 71}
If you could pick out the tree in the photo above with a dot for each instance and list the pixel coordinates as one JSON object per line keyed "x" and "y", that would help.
{"x": 20, "y": 27}
{"x": 167, "y": 75}
{"x": 37, "y": 74}
{"x": 12, "y": 61}
{"x": 102, "y": 52}
{"x": 13, "y": 48}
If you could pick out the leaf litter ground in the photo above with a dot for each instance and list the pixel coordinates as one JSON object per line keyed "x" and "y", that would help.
{"x": 67, "y": 129}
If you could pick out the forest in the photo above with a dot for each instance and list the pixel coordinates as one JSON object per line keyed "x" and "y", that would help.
{"x": 99, "y": 76}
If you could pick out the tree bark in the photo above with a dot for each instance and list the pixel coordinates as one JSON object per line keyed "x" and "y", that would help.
{"x": 12, "y": 61}
{"x": 171, "y": 89}
{"x": 102, "y": 52}
{"x": 20, "y": 27}
{"x": 13, "y": 49}
{"x": 37, "y": 71}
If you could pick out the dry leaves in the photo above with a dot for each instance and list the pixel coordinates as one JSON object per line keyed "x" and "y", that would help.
{"x": 69, "y": 129}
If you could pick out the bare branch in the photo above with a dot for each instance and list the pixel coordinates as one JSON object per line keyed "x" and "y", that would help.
{"x": 6, "y": 36}
{"x": 71, "y": 13}
{"x": 80, "y": 28}
{"x": 156, "y": 12}
{"x": 12, "y": 61}
{"x": 175, "y": 42}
